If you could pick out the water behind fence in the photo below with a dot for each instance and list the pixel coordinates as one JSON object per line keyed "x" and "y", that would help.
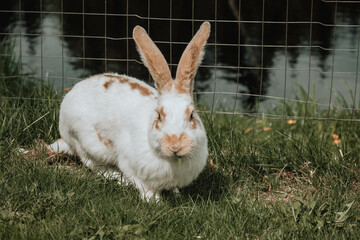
{"x": 261, "y": 54}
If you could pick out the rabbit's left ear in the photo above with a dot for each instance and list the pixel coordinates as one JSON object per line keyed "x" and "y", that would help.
{"x": 191, "y": 59}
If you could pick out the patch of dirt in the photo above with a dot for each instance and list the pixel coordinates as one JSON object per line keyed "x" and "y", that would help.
{"x": 41, "y": 151}
{"x": 290, "y": 186}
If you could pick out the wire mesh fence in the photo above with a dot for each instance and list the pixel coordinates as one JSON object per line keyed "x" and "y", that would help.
{"x": 261, "y": 55}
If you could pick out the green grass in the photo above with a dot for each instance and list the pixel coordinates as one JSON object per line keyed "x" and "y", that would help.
{"x": 288, "y": 182}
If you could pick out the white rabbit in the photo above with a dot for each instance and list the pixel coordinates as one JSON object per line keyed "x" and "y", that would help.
{"x": 121, "y": 124}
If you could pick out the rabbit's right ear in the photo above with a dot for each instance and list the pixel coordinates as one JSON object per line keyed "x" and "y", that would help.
{"x": 153, "y": 59}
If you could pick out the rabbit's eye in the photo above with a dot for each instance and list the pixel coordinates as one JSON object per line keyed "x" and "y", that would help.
{"x": 158, "y": 115}
{"x": 191, "y": 116}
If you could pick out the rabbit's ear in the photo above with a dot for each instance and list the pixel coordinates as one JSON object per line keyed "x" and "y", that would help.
{"x": 191, "y": 59}
{"x": 153, "y": 59}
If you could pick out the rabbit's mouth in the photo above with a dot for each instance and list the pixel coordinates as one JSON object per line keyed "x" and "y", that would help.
{"x": 181, "y": 152}
{"x": 176, "y": 153}
{"x": 176, "y": 146}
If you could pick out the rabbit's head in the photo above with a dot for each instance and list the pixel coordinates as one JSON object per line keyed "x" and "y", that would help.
{"x": 176, "y": 129}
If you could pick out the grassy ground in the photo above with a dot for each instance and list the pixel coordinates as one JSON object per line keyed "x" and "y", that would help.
{"x": 266, "y": 179}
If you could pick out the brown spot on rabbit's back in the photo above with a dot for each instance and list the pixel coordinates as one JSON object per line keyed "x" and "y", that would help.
{"x": 143, "y": 90}
{"x": 108, "y": 83}
{"x": 111, "y": 75}
{"x": 121, "y": 79}
{"x": 133, "y": 85}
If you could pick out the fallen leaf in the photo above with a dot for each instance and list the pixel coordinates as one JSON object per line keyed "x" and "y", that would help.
{"x": 291, "y": 122}
{"x": 336, "y": 139}
{"x": 212, "y": 165}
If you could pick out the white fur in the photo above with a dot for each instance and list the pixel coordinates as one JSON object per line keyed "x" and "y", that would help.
{"x": 126, "y": 117}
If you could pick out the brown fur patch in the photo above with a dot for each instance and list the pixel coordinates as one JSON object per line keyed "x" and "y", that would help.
{"x": 172, "y": 140}
{"x": 133, "y": 85}
{"x": 156, "y": 124}
{"x": 107, "y": 142}
{"x": 121, "y": 79}
{"x": 181, "y": 88}
{"x": 99, "y": 136}
{"x": 195, "y": 123}
{"x": 162, "y": 113}
{"x": 167, "y": 87}
{"x": 187, "y": 111}
{"x": 143, "y": 90}
{"x": 108, "y": 83}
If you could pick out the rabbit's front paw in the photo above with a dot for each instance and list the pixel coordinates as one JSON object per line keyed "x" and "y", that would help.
{"x": 150, "y": 196}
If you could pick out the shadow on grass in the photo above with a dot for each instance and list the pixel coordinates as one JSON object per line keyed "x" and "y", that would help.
{"x": 211, "y": 184}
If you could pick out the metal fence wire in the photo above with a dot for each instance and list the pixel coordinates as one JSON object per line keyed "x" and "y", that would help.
{"x": 261, "y": 54}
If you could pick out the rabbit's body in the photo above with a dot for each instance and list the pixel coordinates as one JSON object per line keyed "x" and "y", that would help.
{"x": 115, "y": 132}
{"x": 118, "y": 123}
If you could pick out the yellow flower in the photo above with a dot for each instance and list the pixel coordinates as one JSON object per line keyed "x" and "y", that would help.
{"x": 267, "y": 129}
